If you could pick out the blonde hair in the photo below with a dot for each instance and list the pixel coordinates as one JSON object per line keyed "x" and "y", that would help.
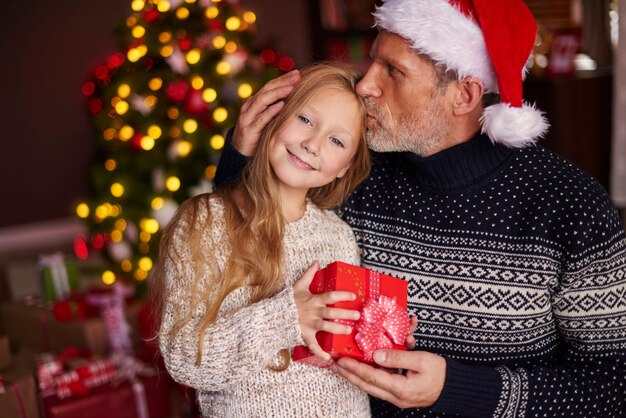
{"x": 252, "y": 211}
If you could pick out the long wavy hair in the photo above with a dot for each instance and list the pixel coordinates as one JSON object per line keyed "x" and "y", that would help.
{"x": 254, "y": 220}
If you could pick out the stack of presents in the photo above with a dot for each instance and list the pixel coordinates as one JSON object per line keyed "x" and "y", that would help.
{"x": 77, "y": 351}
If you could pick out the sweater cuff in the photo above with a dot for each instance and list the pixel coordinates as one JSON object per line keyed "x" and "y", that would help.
{"x": 231, "y": 163}
{"x": 469, "y": 390}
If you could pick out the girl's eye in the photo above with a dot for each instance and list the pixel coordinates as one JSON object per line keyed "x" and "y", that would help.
{"x": 337, "y": 142}
{"x": 304, "y": 119}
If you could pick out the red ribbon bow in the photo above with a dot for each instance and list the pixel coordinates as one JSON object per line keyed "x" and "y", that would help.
{"x": 383, "y": 322}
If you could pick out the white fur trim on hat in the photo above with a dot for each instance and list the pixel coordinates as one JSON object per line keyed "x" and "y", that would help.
{"x": 442, "y": 32}
{"x": 515, "y": 127}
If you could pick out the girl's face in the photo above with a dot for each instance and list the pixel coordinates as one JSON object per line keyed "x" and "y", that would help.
{"x": 317, "y": 144}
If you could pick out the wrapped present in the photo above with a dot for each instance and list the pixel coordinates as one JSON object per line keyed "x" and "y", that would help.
{"x": 35, "y": 327}
{"x": 139, "y": 397}
{"x": 5, "y": 352}
{"x": 18, "y": 393}
{"x": 382, "y": 301}
{"x": 59, "y": 277}
{"x": 69, "y": 309}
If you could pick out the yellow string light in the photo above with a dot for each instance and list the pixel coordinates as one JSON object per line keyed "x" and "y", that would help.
{"x": 145, "y": 263}
{"x": 190, "y": 126}
{"x": 155, "y": 83}
{"x": 232, "y": 23}
{"x": 220, "y": 114}
{"x": 165, "y": 37}
{"x": 209, "y": 95}
{"x": 210, "y": 171}
{"x": 157, "y": 203}
{"x": 211, "y": 12}
{"x": 138, "y": 31}
{"x": 133, "y": 55}
{"x": 123, "y": 90}
{"x": 222, "y": 68}
{"x": 183, "y": 148}
{"x": 217, "y": 142}
{"x": 218, "y": 42}
{"x": 117, "y": 189}
{"x": 141, "y": 275}
{"x": 82, "y": 210}
{"x": 147, "y": 143}
{"x": 197, "y": 82}
{"x": 166, "y": 51}
{"x": 155, "y": 131}
{"x": 230, "y": 47}
{"x": 126, "y": 132}
{"x": 163, "y": 6}
{"x": 110, "y": 164}
{"x": 193, "y": 56}
{"x": 137, "y": 5}
{"x": 120, "y": 224}
{"x": 173, "y": 113}
{"x": 126, "y": 266}
{"x": 109, "y": 134}
{"x": 182, "y": 13}
{"x": 245, "y": 90}
{"x": 249, "y": 17}
{"x": 108, "y": 277}
{"x": 172, "y": 183}
{"x": 116, "y": 236}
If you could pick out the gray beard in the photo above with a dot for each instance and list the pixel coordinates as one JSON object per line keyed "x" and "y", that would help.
{"x": 421, "y": 133}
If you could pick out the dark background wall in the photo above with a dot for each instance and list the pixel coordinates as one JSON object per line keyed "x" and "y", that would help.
{"x": 47, "y": 50}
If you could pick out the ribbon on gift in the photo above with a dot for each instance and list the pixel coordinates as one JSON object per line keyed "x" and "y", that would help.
{"x": 129, "y": 369}
{"x": 111, "y": 306}
{"x": 83, "y": 378}
{"x": 383, "y": 322}
{"x": 48, "y": 366}
{"x": 58, "y": 272}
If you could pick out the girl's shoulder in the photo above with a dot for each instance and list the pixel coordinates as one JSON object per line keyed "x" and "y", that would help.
{"x": 328, "y": 217}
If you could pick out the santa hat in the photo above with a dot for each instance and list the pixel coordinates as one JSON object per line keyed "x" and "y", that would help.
{"x": 488, "y": 39}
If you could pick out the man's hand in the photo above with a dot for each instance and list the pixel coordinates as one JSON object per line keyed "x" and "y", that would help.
{"x": 259, "y": 109}
{"x": 420, "y": 387}
{"x": 313, "y": 314}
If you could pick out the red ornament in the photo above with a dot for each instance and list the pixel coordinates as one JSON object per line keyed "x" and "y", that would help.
{"x": 114, "y": 61}
{"x": 88, "y": 88}
{"x": 177, "y": 90}
{"x": 185, "y": 44}
{"x": 102, "y": 72}
{"x": 195, "y": 105}
{"x": 95, "y": 105}
{"x": 151, "y": 15}
{"x": 267, "y": 56}
{"x": 136, "y": 141}
{"x": 286, "y": 64}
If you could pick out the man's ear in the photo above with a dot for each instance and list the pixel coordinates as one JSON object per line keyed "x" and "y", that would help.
{"x": 468, "y": 95}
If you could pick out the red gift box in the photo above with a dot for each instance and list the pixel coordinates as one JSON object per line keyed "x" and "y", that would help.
{"x": 145, "y": 397}
{"x": 382, "y": 301}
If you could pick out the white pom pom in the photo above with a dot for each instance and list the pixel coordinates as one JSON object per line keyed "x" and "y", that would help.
{"x": 514, "y": 127}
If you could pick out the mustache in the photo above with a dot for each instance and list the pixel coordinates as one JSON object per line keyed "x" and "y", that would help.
{"x": 371, "y": 108}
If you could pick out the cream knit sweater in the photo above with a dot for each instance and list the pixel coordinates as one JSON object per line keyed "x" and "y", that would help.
{"x": 232, "y": 379}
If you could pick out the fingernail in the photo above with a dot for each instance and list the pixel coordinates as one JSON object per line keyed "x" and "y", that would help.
{"x": 357, "y": 315}
{"x": 380, "y": 356}
{"x": 348, "y": 330}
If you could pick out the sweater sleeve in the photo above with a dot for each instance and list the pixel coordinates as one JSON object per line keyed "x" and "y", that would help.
{"x": 243, "y": 340}
{"x": 588, "y": 378}
{"x": 231, "y": 163}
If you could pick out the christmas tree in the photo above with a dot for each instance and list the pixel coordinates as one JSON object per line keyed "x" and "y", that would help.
{"x": 161, "y": 109}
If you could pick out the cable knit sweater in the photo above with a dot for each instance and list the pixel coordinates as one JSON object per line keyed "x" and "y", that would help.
{"x": 232, "y": 379}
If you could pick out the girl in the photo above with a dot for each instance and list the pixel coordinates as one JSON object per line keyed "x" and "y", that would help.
{"x": 231, "y": 302}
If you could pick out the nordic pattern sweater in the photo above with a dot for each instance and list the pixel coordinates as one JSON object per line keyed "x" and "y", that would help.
{"x": 516, "y": 266}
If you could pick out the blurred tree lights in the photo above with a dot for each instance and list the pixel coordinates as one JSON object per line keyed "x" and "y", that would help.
{"x": 161, "y": 109}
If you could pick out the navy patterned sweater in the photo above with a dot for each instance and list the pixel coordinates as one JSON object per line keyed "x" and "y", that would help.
{"x": 516, "y": 263}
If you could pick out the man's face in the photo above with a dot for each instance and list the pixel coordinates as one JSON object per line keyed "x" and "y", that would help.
{"x": 406, "y": 110}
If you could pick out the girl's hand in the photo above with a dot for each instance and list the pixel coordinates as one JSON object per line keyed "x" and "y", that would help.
{"x": 314, "y": 315}
{"x": 259, "y": 109}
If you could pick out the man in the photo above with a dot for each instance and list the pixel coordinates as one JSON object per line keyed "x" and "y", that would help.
{"x": 515, "y": 259}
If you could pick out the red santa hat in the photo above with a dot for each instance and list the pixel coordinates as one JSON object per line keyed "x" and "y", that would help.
{"x": 488, "y": 39}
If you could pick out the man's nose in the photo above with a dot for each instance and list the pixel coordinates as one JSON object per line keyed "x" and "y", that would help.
{"x": 367, "y": 86}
